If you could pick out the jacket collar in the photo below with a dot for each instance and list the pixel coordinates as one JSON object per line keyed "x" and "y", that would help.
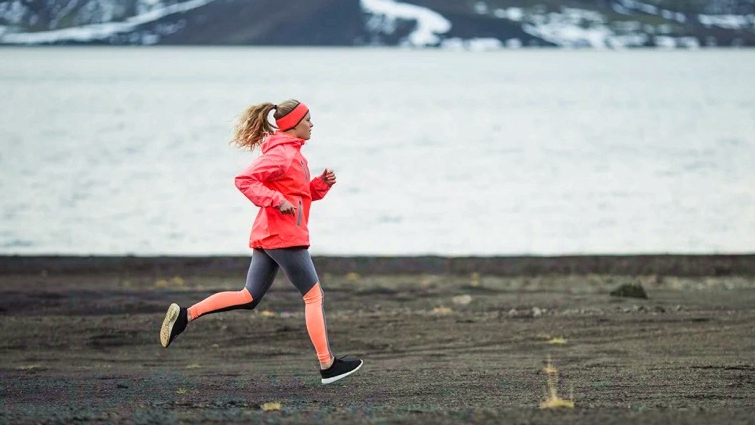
{"x": 280, "y": 138}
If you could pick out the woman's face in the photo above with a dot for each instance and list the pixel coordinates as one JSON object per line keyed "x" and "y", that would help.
{"x": 303, "y": 130}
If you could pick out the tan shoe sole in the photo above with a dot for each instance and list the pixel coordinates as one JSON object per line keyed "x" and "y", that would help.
{"x": 170, "y": 319}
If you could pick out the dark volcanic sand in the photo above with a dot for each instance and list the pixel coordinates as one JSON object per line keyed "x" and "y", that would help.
{"x": 86, "y": 349}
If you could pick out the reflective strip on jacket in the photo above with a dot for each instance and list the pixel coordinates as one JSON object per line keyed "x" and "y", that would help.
{"x": 280, "y": 172}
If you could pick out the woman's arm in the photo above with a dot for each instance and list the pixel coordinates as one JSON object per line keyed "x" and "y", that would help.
{"x": 267, "y": 167}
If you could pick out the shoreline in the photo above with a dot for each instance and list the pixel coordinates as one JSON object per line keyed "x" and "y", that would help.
{"x": 692, "y": 265}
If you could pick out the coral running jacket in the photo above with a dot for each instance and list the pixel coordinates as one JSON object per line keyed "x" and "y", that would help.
{"x": 280, "y": 172}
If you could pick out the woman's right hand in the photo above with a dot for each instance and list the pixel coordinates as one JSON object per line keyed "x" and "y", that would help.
{"x": 287, "y": 208}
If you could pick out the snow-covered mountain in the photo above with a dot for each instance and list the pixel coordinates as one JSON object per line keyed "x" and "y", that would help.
{"x": 466, "y": 24}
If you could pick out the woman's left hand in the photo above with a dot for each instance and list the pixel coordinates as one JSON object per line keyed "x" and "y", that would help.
{"x": 329, "y": 177}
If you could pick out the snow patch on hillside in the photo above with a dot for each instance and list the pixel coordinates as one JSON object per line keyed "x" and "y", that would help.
{"x": 13, "y": 12}
{"x": 102, "y": 31}
{"x": 386, "y": 14}
{"x": 732, "y": 22}
{"x": 628, "y": 6}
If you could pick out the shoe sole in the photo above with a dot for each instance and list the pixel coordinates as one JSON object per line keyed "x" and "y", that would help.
{"x": 170, "y": 319}
{"x": 336, "y": 378}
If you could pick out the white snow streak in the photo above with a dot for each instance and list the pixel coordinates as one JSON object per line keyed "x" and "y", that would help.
{"x": 99, "y": 31}
{"x": 429, "y": 23}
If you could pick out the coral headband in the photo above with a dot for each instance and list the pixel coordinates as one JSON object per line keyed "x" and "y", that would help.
{"x": 293, "y": 118}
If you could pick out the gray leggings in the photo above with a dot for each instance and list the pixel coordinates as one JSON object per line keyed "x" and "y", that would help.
{"x": 296, "y": 264}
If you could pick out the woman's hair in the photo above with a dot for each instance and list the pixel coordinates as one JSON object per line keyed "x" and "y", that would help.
{"x": 252, "y": 126}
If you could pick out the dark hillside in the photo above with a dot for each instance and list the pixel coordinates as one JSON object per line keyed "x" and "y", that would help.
{"x": 269, "y": 22}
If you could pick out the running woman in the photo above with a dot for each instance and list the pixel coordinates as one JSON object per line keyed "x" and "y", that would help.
{"x": 278, "y": 182}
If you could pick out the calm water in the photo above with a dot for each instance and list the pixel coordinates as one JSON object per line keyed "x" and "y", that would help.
{"x": 125, "y": 150}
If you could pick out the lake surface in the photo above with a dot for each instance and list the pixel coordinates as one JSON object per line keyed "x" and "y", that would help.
{"x": 125, "y": 150}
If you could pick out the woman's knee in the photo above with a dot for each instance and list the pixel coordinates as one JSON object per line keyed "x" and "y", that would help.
{"x": 249, "y": 301}
{"x": 314, "y": 295}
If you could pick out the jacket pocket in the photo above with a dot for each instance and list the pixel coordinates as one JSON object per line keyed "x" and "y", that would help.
{"x": 298, "y": 214}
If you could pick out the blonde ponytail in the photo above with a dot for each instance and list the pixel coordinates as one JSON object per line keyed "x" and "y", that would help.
{"x": 252, "y": 126}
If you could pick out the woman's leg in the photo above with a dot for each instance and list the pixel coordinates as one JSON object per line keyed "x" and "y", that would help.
{"x": 260, "y": 276}
{"x": 299, "y": 269}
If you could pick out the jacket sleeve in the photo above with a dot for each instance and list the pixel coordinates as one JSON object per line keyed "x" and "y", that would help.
{"x": 268, "y": 167}
{"x": 318, "y": 188}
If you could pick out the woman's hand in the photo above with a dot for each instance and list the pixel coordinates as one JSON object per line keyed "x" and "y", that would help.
{"x": 329, "y": 177}
{"x": 287, "y": 208}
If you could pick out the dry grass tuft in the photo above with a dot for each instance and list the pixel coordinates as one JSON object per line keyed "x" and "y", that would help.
{"x": 441, "y": 311}
{"x": 552, "y": 339}
{"x": 552, "y": 400}
{"x": 462, "y": 299}
{"x": 30, "y": 367}
{"x": 175, "y": 282}
{"x": 269, "y": 407}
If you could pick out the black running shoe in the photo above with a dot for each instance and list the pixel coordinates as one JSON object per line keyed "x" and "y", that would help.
{"x": 340, "y": 369}
{"x": 174, "y": 323}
